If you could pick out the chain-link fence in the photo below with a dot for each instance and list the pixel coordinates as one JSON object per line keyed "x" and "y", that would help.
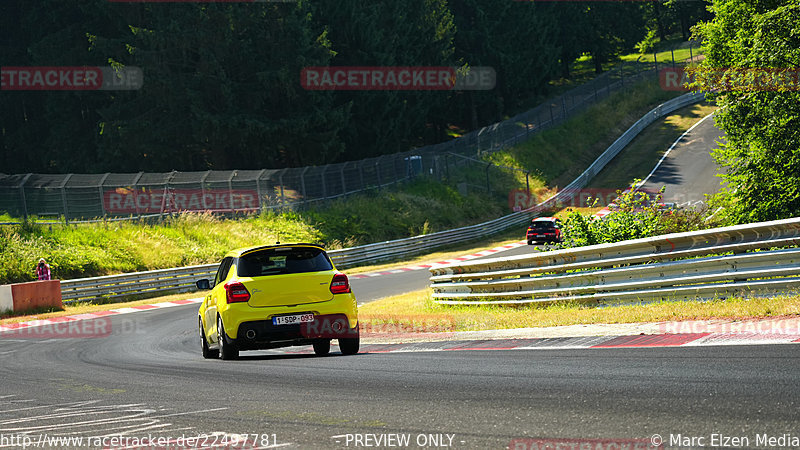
{"x": 93, "y": 197}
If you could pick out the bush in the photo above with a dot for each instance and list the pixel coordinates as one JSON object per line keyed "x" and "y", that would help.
{"x": 636, "y": 215}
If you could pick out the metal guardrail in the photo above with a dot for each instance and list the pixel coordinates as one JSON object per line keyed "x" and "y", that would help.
{"x": 140, "y": 283}
{"x": 182, "y": 279}
{"x": 705, "y": 264}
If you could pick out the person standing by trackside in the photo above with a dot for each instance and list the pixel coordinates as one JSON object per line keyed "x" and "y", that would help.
{"x": 43, "y": 270}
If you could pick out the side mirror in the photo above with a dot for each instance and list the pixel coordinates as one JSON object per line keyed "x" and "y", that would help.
{"x": 203, "y": 285}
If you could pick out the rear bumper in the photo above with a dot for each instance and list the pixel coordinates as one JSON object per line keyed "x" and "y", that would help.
{"x": 238, "y": 314}
{"x": 543, "y": 239}
{"x": 262, "y": 334}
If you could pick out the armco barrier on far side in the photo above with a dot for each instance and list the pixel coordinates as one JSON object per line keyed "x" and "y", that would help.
{"x": 698, "y": 264}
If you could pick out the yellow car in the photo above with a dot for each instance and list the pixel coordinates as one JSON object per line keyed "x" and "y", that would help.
{"x": 277, "y": 296}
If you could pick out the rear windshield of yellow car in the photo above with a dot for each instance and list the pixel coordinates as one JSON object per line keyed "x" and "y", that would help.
{"x": 284, "y": 260}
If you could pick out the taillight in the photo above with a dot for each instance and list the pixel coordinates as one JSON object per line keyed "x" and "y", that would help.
{"x": 340, "y": 284}
{"x": 236, "y": 292}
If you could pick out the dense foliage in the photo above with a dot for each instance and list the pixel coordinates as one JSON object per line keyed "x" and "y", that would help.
{"x": 221, "y": 80}
{"x": 636, "y": 214}
{"x": 762, "y": 123}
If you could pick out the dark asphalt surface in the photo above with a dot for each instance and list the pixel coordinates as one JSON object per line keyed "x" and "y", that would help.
{"x": 148, "y": 378}
{"x": 689, "y": 172}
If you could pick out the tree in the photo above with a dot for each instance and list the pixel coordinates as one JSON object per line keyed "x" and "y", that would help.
{"x": 762, "y": 123}
{"x": 398, "y": 33}
{"x": 519, "y": 40}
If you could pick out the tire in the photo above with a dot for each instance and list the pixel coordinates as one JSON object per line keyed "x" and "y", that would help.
{"x": 349, "y": 346}
{"x": 207, "y": 352}
{"x": 530, "y": 242}
{"x": 227, "y": 348}
{"x": 322, "y": 347}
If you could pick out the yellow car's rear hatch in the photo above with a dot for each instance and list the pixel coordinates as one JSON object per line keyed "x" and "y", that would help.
{"x": 289, "y": 290}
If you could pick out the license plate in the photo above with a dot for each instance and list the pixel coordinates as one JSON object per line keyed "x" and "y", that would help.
{"x": 290, "y": 320}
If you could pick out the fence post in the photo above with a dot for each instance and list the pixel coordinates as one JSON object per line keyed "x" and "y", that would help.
{"x": 230, "y": 190}
{"x": 22, "y": 196}
{"x": 280, "y": 182}
{"x": 527, "y": 182}
{"x": 341, "y": 174}
{"x": 378, "y": 171}
{"x": 398, "y": 175}
{"x": 100, "y": 188}
{"x": 64, "y": 197}
{"x": 324, "y": 184}
{"x": 168, "y": 188}
{"x": 488, "y": 188}
{"x": 303, "y": 183}
{"x": 133, "y": 185}
{"x": 202, "y": 189}
{"x": 655, "y": 60}
{"x": 258, "y": 190}
{"x": 361, "y": 174}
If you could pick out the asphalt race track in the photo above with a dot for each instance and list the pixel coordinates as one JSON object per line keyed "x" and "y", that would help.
{"x": 689, "y": 172}
{"x": 147, "y": 378}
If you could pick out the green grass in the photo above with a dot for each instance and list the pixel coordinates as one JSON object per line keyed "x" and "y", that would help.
{"x": 416, "y": 311}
